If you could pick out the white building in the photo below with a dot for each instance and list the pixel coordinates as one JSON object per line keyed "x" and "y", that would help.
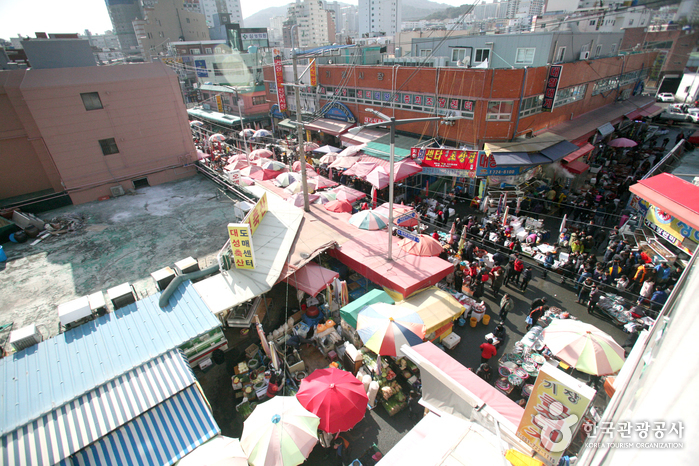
{"x": 209, "y": 8}
{"x": 312, "y": 21}
{"x": 688, "y": 9}
{"x": 276, "y": 29}
{"x": 379, "y": 17}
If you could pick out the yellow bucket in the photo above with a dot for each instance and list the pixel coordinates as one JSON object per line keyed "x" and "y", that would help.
{"x": 474, "y": 321}
{"x": 486, "y": 319}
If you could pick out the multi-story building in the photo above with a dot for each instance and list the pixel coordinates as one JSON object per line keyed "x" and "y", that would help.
{"x": 123, "y": 13}
{"x": 83, "y": 131}
{"x": 105, "y": 46}
{"x": 168, "y": 21}
{"x": 379, "y": 17}
{"x": 312, "y": 22}
{"x": 494, "y": 104}
{"x": 276, "y": 30}
{"x": 210, "y": 8}
{"x": 290, "y": 33}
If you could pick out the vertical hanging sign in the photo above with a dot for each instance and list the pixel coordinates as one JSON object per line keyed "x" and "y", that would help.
{"x": 279, "y": 80}
{"x": 219, "y": 103}
{"x": 314, "y": 73}
{"x": 551, "y": 87}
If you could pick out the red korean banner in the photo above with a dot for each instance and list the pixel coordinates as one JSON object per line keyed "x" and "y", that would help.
{"x": 314, "y": 73}
{"x": 551, "y": 87}
{"x": 279, "y": 79}
{"x": 446, "y": 158}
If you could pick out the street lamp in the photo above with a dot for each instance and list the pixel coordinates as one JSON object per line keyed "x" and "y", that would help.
{"x": 391, "y": 122}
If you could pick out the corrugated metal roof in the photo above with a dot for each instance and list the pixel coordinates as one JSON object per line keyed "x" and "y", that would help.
{"x": 159, "y": 437}
{"x": 75, "y": 425}
{"x": 50, "y": 374}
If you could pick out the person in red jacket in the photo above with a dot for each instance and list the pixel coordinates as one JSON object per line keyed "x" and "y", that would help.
{"x": 488, "y": 350}
{"x": 518, "y": 269}
{"x": 535, "y": 315}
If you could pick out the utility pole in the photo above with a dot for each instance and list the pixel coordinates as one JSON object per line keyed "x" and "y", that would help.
{"x": 391, "y": 122}
{"x": 299, "y": 129}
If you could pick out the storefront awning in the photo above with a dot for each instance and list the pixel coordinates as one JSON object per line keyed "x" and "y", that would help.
{"x": 512, "y": 159}
{"x": 436, "y": 308}
{"x": 350, "y": 312}
{"x": 381, "y": 147}
{"x": 311, "y": 278}
{"x": 559, "y": 150}
{"x": 644, "y": 112}
{"x": 606, "y": 129}
{"x": 673, "y": 195}
{"x": 405, "y": 274}
{"x": 287, "y": 124}
{"x": 583, "y": 151}
{"x": 357, "y": 136}
{"x": 577, "y": 167}
{"x": 327, "y": 126}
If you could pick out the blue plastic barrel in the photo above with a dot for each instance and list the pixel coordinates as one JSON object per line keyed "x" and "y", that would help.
{"x": 3, "y": 256}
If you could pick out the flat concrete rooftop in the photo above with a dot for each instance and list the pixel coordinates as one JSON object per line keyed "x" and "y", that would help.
{"x": 124, "y": 239}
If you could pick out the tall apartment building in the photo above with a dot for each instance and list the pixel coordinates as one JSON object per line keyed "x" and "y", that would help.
{"x": 209, "y": 8}
{"x": 312, "y": 23}
{"x": 379, "y": 17}
{"x": 347, "y": 23}
{"x": 276, "y": 29}
{"x": 123, "y": 13}
{"x": 168, "y": 21}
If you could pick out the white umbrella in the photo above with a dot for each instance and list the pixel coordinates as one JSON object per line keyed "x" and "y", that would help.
{"x": 285, "y": 179}
{"x": 351, "y": 150}
{"x": 262, "y": 133}
{"x": 217, "y": 138}
{"x": 219, "y": 451}
{"x": 328, "y": 158}
{"x": 247, "y": 132}
{"x": 297, "y": 187}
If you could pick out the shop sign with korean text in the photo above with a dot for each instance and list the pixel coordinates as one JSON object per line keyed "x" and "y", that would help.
{"x": 551, "y": 87}
{"x": 279, "y": 80}
{"x": 554, "y": 412}
{"x": 673, "y": 230}
{"x": 242, "y": 253}
{"x": 314, "y": 73}
{"x": 257, "y": 213}
{"x": 488, "y": 167}
{"x": 445, "y": 158}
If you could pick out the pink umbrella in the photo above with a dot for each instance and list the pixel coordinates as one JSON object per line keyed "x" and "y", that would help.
{"x": 622, "y": 142}
{"x": 378, "y": 178}
{"x": 360, "y": 169}
{"x": 344, "y": 162}
{"x": 328, "y": 158}
{"x": 339, "y": 206}
{"x": 348, "y": 194}
{"x": 404, "y": 169}
{"x": 310, "y": 173}
{"x": 310, "y": 146}
{"x": 398, "y": 210}
{"x": 427, "y": 246}
{"x": 322, "y": 182}
{"x": 297, "y": 199}
{"x": 236, "y": 165}
{"x": 373, "y": 197}
{"x": 297, "y": 166}
{"x": 261, "y": 153}
{"x": 247, "y": 180}
{"x": 258, "y": 173}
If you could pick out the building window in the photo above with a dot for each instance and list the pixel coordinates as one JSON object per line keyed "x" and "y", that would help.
{"x": 499, "y": 110}
{"x": 525, "y": 56}
{"x": 630, "y": 22}
{"x": 593, "y": 22}
{"x": 459, "y": 54}
{"x": 598, "y": 51}
{"x": 194, "y": 51}
{"x": 425, "y": 52}
{"x": 531, "y": 105}
{"x": 481, "y": 55}
{"x": 560, "y": 55}
{"x": 108, "y": 146}
{"x": 218, "y": 70}
{"x": 613, "y": 48}
{"x": 187, "y": 20}
{"x": 570, "y": 94}
{"x": 91, "y": 100}
{"x": 259, "y": 100}
{"x": 207, "y": 50}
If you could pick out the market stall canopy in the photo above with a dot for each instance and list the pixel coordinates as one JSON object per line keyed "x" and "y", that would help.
{"x": 446, "y": 440}
{"x": 360, "y": 169}
{"x": 381, "y": 147}
{"x": 577, "y": 167}
{"x": 348, "y": 194}
{"x": 350, "y": 312}
{"x": 328, "y": 126}
{"x": 378, "y": 178}
{"x": 449, "y": 387}
{"x": 398, "y": 210}
{"x": 436, "y": 307}
{"x": 404, "y": 169}
{"x": 311, "y": 278}
{"x": 405, "y": 274}
{"x": 344, "y": 162}
{"x": 545, "y": 148}
{"x": 360, "y": 135}
{"x": 673, "y": 195}
{"x": 327, "y": 150}
{"x": 583, "y": 151}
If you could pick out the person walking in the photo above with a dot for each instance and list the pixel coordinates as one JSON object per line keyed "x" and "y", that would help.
{"x": 506, "y": 305}
{"x": 595, "y": 295}
{"x": 518, "y": 269}
{"x": 535, "y": 315}
{"x": 537, "y": 302}
{"x": 414, "y": 407}
{"x": 526, "y": 278}
{"x": 509, "y": 272}
{"x": 585, "y": 290}
{"x": 497, "y": 278}
{"x": 548, "y": 263}
{"x": 488, "y": 350}
{"x": 485, "y": 372}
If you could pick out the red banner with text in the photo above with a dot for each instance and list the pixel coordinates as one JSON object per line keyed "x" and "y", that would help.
{"x": 279, "y": 79}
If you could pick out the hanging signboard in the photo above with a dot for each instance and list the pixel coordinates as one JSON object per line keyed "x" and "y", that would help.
{"x": 408, "y": 234}
{"x": 200, "y": 66}
{"x": 446, "y": 158}
{"x": 241, "y": 245}
{"x": 487, "y": 166}
{"x": 219, "y": 103}
{"x": 453, "y": 172}
{"x": 673, "y": 230}
{"x": 257, "y": 213}
{"x": 554, "y": 412}
{"x": 551, "y": 87}
{"x": 279, "y": 80}
{"x": 314, "y": 73}
{"x": 338, "y": 111}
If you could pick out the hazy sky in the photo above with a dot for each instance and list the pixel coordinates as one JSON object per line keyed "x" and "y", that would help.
{"x": 29, "y": 16}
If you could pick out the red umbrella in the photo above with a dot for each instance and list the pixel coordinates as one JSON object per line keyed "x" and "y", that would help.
{"x": 339, "y": 206}
{"x": 336, "y": 397}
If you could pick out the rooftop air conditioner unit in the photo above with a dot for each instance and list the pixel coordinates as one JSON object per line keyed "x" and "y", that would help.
{"x": 74, "y": 313}
{"x": 117, "y": 191}
{"x": 25, "y": 337}
{"x": 584, "y": 55}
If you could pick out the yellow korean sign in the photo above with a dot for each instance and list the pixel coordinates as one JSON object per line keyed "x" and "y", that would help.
{"x": 257, "y": 213}
{"x": 241, "y": 245}
{"x": 219, "y": 103}
{"x": 554, "y": 412}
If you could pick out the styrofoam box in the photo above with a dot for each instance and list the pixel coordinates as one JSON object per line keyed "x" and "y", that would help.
{"x": 74, "y": 310}
{"x": 451, "y": 340}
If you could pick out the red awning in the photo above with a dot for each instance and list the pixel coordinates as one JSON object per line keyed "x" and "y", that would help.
{"x": 327, "y": 126}
{"x": 583, "y": 151}
{"x": 577, "y": 167}
{"x": 405, "y": 274}
{"x": 673, "y": 195}
{"x": 311, "y": 278}
{"x": 694, "y": 138}
{"x": 650, "y": 111}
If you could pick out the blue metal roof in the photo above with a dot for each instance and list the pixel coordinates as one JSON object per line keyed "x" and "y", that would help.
{"x": 48, "y": 375}
{"x": 159, "y": 437}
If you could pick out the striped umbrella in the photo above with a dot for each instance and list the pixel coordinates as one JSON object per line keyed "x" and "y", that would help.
{"x": 367, "y": 220}
{"x": 285, "y": 179}
{"x": 325, "y": 197}
{"x": 384, "y": 328}
{"x": 297, "y": 199}
{"x": 217, "y": 138}
{"x": 196, "y": 123}
{"x": 584, "y": 346}
{"x": 297, "y": 187}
